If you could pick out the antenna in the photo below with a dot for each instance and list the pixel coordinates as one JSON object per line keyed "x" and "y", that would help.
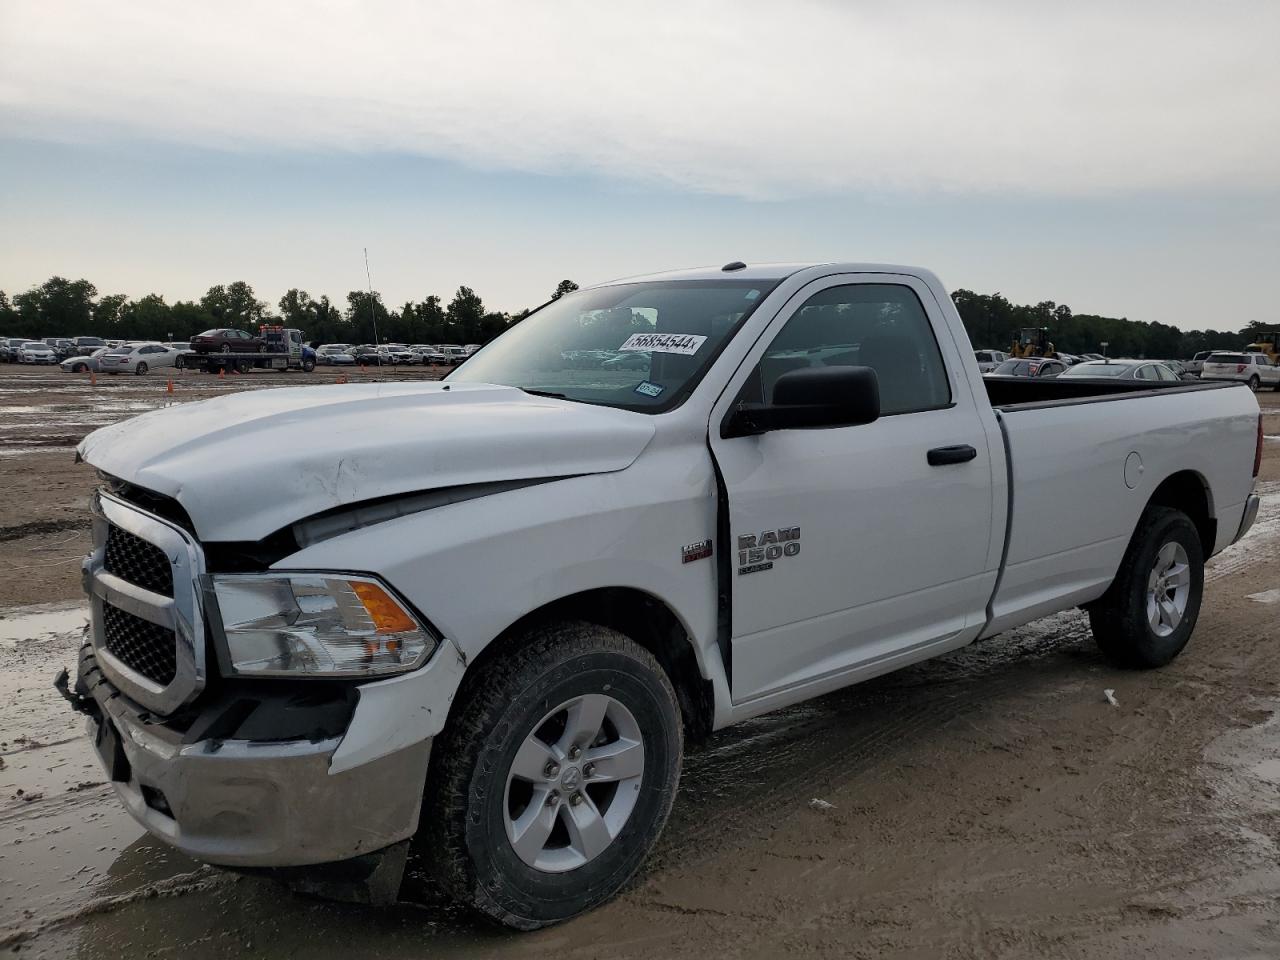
{"x": 373, "y": 314}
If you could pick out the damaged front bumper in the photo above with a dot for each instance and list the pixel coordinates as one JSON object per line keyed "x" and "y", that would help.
{"x": 248, "y": 803}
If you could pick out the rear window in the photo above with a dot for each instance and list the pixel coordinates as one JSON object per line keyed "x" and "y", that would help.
{"x": 1227, "y": 358}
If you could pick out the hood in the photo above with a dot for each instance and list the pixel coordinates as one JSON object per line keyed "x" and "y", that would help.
{"x": 248, "y": 464}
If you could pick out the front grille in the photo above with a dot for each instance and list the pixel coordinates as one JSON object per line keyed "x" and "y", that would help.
{"x": 140, "y": 645}
{"x": 133, "y": 559}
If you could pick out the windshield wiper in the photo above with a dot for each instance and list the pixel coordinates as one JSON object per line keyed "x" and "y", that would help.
{"x": 546, "y": 393}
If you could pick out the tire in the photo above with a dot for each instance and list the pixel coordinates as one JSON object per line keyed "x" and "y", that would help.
{"x": 141, "y": 369}
{"x": 1254, "y": 383}
{"x": 473, "y": 793}
{"x": 79, "y": 367}
{"x": 179, "y": 363}
{"x": 1127, "y": 622}
{"x": 244, "y": 366}
{"x": 308, "y": 366}
{"x": 226, "y": 348}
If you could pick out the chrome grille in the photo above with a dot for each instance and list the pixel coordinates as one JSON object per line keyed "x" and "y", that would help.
{"x": 133, "y": 559}
{"x": 146, "y": 648}
{"x": 143, "y": 579}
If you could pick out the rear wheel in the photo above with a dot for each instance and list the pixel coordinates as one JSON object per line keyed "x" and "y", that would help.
{"x": 553, "y": 781}
{"x": 1147, "y": 616}
{"x": 226, "y": 348}
{"x": 244, "y": 366}
{"x": 1254, "y": 383}
{"x": 141, "y": 368}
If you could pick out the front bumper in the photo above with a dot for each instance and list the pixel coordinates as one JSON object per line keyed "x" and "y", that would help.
{"x": 248, "y": 803}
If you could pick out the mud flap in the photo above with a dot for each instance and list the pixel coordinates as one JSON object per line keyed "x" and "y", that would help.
{"x": 372, "y": 879}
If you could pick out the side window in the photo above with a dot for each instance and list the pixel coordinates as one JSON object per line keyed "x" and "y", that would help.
{"x": 1144, "y": 373}
{"x": 877, "y": 325}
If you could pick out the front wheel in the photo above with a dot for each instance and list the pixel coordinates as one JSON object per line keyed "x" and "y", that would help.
{"x": 553, "y": 781}
{"x": 308, "y": 366}
{"x": 1147, "y": 615}
{"x": 1254, "y": 383}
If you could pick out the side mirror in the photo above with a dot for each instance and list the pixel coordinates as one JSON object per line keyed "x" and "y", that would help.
{"x": 811, "y": 397}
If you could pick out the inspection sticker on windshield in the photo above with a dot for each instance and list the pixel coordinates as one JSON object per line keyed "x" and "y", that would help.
{"x": 650, "y": 389}
{"x": 685, "y": 344}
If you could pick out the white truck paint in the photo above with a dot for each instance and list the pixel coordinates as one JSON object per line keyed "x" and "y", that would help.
{"x": 482, "y": 505}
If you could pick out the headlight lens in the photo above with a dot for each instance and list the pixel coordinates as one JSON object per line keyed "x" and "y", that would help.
{"x": 315, "y": 623}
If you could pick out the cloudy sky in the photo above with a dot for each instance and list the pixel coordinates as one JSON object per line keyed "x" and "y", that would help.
{"x": 1120, "y": 157}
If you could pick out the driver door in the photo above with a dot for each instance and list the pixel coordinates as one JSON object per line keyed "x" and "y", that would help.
{"x": 852, "y": 551}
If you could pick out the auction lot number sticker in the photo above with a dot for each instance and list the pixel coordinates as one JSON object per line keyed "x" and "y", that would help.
{"x": 685, "y": 344}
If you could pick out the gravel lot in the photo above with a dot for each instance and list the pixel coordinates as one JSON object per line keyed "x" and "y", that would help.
{"x": 987, "y": 804}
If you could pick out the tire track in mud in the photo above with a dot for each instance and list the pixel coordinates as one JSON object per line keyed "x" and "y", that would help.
{"x": 733, "y": 787}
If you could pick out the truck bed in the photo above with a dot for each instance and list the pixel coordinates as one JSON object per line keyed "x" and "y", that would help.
{"x": 1081, "y": 469}
{"x": 1021, "y": 392}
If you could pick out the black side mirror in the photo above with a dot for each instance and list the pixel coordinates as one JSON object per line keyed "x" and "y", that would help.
{"x": 811, "y": 397}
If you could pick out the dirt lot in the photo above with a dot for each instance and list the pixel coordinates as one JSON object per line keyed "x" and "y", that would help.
{"x": 988, "y": 804}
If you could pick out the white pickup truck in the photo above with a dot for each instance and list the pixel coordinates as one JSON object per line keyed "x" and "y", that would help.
{"x": 486, "y": 613}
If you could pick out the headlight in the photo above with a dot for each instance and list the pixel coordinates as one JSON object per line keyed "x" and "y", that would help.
{"x": 317, "y": 623}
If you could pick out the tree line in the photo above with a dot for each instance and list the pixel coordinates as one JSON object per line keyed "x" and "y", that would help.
{"x": 993, "y": 323}
{"x": 67, "y": 308}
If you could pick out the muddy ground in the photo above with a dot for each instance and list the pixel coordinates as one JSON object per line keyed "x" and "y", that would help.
{"x": 991, "y": 803}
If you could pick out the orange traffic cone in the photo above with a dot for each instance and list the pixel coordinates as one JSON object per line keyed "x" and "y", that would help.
{"x": 93, "y": 378}
{"x": 169, "y": 387}
{"x": 363, "y": 368}
{"x": 222, "y": 373}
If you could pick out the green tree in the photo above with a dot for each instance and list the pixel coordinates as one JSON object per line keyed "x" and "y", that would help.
{"x": 365, "y": 314}
{"x": 234, "y": 306}
{"x": 563, "y": 287}
{"x": 464, "y": 316}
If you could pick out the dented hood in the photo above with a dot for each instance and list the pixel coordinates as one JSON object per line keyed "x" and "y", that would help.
{"x": 248, "y": 464}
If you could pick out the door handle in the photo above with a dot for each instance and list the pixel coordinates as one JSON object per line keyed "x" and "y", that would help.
{"x": 961, "y": 453}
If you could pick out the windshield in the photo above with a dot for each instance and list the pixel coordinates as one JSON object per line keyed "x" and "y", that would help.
{"x": 639, "y": 346}
{"x": 1097, "y": 370}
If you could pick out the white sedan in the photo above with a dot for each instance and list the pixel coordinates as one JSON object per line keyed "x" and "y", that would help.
{"x": 138, "y": 358}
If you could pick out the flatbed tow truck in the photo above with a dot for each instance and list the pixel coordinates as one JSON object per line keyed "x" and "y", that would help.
{"x": 285, "y": 350}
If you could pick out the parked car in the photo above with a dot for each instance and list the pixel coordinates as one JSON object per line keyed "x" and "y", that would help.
{"x": 453, "y": 354}
{"x": 471, "y": 348}
{"x": 401, "y": 353}
{"x": 85, "y": 346}
{"x": 36, "y": 351}
{"x": 1121, "y": 369}
{"x": 1092, "y": 356}
{"x": 988, "y": 360}
{"x": 84, "y": 364}
{"x": 1179, "y": 369}
{"x": 369, "y": 355}
{"x": 429, "y": 354}
{"x": 1029, "y": 367}
{"x": 9, "y": 348}
{"x": 227, "y": 340}
{"x": 1255, "y": 369}
{"x": 611, "y": 569}
{"x": 138, "y": 358}
{"x": 334, "y": 354}
{"x": 1196, "y": 364}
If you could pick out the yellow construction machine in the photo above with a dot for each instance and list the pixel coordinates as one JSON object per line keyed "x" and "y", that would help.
{"x": 1032, "y": 342}
{"x": 1268, "y": 343}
